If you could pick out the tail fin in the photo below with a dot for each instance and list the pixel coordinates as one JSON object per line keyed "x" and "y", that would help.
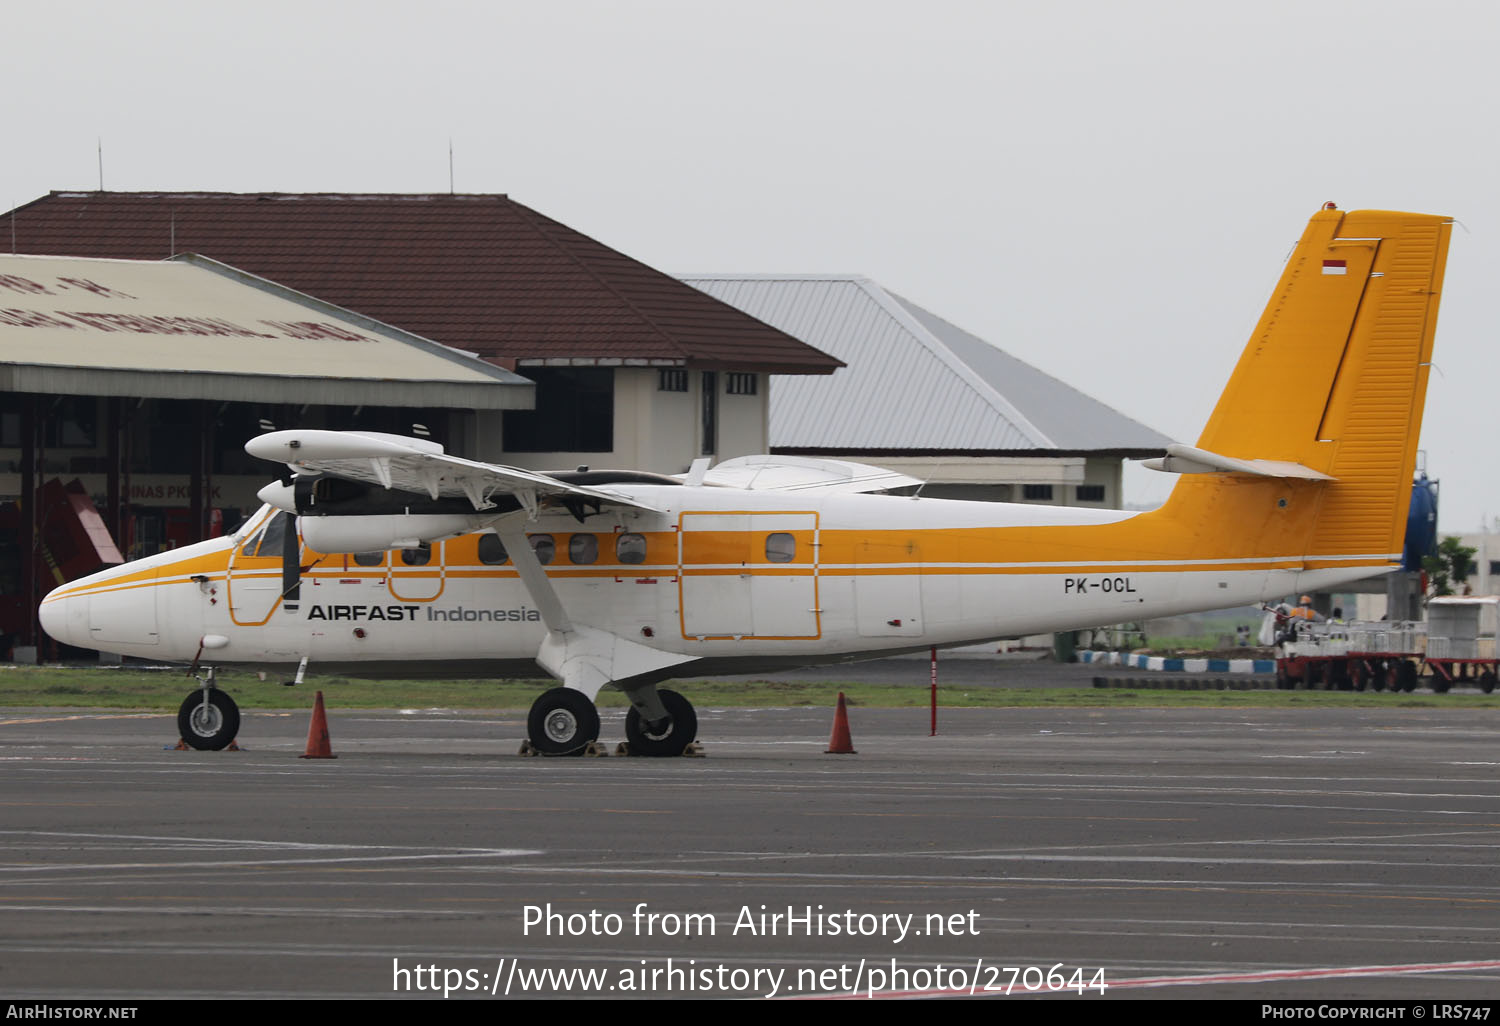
{"x": 1328, "y": 394}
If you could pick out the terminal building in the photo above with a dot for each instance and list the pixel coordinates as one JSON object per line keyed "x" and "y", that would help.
{"x": 598, "y": 360}
{"x": 926, "y": 398}
{"x": 587, "y": 356}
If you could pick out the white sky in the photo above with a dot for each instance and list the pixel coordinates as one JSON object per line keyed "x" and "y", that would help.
{"x": 1106, "y": 190}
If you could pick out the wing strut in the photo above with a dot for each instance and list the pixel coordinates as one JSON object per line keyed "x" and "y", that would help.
{"x": 585, "y": 658}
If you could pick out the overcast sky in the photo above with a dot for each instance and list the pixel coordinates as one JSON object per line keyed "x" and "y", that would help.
{"x": 1106, "y": 190}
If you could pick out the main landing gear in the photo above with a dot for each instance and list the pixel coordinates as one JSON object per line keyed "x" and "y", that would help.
{"x": 562, "y": 722}
{"x": 660, "y": 723}
{"x": 208, "y": 719}
{"x": 663, "y": 737}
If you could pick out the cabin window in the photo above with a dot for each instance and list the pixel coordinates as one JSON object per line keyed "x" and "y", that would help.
{"x": 419, "y": 556}
{"x": 780, "y": 547}
{"x": 544, "y": 547}
{"x": 631, "y": 548}
{"x": 583, "y": 549}
{"x": 492, "y": 550}
{"x": 376, "y": 558}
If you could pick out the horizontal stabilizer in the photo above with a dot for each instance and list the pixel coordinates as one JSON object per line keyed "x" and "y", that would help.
{"x": 802, "y": 473}
{"x": 1185, "y": 459}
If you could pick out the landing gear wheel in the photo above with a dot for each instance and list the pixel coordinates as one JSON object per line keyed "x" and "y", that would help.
{"x": 562, "y": 722}
{"x": 209, "y": 728}
{"x": 671, "y": 741}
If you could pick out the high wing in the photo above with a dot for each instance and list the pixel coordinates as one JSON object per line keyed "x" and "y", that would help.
{"x": 421, "y": 467}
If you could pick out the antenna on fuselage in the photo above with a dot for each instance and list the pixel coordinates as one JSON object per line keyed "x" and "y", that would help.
{"x": 931, "y": 474}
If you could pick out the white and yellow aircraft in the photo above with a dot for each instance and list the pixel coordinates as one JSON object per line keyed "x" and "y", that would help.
{"x": 382, "y": 554}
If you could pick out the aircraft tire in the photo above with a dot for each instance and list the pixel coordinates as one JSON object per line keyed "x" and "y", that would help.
{"x": 682, "y": 732}
{"x": 211, "y": 729}
{"x": 562, "y": 722}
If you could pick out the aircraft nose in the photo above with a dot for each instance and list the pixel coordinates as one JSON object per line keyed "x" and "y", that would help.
{"x": 65, "y": 618}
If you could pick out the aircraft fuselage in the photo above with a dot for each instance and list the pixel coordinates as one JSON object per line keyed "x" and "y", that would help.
{"x": 738, "y": 581}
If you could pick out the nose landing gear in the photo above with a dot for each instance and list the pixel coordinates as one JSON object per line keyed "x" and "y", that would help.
{"x": 208, "y": 719}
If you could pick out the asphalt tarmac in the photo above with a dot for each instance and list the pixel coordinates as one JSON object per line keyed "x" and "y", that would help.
{"x": 1268, "y": 854}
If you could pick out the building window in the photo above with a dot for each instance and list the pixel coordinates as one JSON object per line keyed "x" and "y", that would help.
{"x": 710, "y": 413}
{"x": 1494, "y": 568}
{"x": 1090, "y": 493}
{"x": 674, "y": 380}
{"x": 1036, "y": 493}
{"x": 741, "y": 384}
{"x": 575, "y": 412}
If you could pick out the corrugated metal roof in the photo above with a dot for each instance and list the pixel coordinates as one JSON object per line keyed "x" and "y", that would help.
{"x": 195, "y": 329}
{"x": 913, "y": 382}
{"x": 479, "y": 272}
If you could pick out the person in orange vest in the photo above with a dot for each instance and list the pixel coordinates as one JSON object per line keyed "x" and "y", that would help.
{"x": 1304, "y": 612}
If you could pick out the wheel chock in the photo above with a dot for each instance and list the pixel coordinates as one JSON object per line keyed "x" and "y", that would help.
{"x": 181, "y": 746}
{"x": 595, "y": 750}
{"x": 233, "y": 746}
{"x": 528, "y": 750}
{"x": 693, "y": 751}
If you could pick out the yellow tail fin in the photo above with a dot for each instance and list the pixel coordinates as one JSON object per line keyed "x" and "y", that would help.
{"x": 1330, "y": 386}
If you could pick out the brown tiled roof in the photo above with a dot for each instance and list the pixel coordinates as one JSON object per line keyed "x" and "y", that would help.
{"x": 481, "y": 273}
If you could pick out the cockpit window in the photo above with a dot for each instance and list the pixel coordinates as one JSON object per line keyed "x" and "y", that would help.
{"x": 267, "y": 541}
{"x": 275, "y": 534}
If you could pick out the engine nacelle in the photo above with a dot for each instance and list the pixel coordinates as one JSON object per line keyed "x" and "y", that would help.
{"x": 337, "y": 535}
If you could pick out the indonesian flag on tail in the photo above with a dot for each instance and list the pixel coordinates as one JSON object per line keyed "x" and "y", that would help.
{"x": 1335, "y": 267}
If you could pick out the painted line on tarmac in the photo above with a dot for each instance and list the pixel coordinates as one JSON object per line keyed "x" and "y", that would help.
{"x": 1275, "y": 975}
{"x": 1262, "y": 976}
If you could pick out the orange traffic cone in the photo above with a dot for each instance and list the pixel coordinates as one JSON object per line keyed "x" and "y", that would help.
{"x": 318, "y": 746}
{"x": 840, "y": 743}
